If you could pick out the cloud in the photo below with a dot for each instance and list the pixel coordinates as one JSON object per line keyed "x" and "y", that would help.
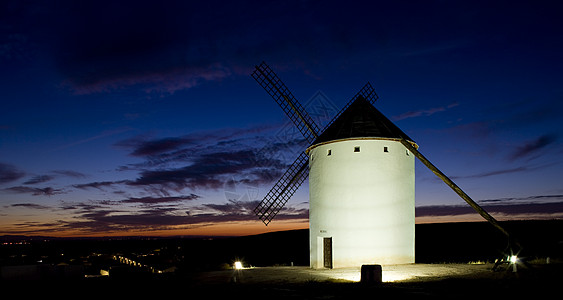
{"x": 241, "y": 211}
{"x": 142, "y": 147}
{"x": 158, "y": 81}
{"x": 237, "y": 207}
{"x": 212, "y": 170}
{"x": 533, "y": 146}
{"x": 513, "y": 209}
{"x": 112, "y": 221}
{"x": 31, "y": 205}
{"x": 499, "y": 172}
{"x": 534, "y": 199}
{"x": 93, "y": 219}
{"x": 99, "y": 184}
{"x": 496, "y": 172}
{"x": 159, "y": 200}
{"x": 47, "y": 191}
{"x": 150, "y": 47}
{"x": 424, "y": 112}
{"x": 9, "y": 173}
{"x": 536, "y": 204}
{"x": 85, "y": 206}
{"x": 39, "y": 179}
{"x": 53, "y": 174}
{"x": 201, "y": 160}
{"x": 204, "y": 160}
{"x": 69, "y": 173}
{"x": 165, "y": 48}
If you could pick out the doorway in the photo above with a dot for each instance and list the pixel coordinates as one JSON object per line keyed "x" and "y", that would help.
{"x": 327, "y": 252}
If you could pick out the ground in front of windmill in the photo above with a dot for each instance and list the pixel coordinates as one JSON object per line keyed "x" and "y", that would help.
{"x": 421, "y": 279}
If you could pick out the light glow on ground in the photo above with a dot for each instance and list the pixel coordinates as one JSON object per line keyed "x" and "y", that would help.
{"x": 403, "y": 272}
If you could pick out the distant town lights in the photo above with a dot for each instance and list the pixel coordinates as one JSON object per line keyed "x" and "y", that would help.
{"x": 513, "y": 259}
{"x": 238, "y": 265}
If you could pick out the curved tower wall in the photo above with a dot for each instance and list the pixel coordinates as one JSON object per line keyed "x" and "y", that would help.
{"x": 361, "y": 203}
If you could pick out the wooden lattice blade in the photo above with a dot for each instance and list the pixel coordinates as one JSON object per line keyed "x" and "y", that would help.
{"x": 284, "y": 188}
{"x": 273, "y": 85}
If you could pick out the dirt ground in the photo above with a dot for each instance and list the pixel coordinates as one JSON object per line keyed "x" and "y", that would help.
{"x": 391, "y": 273}
{"x": 433, "y": 280}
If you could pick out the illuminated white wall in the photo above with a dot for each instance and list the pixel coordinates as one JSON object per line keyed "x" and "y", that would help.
{"x": 362, "y": 196}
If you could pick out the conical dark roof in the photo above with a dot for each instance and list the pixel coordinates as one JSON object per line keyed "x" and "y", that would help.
{"x": 361, "y": 120}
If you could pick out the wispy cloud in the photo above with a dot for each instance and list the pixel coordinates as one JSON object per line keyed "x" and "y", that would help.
{"x": 69, "y": 173}
{"x": 203, "y": 160}
{"x": 129, "y": 50}
{"x": 31, "y": 206}
{"x": 537, "y": 205}
{"x": 532, "y": 147}
{"x": 170, "y": 167}
{"x": 234, "y": 207}
{"x": 212, "y": 170}
{"x": 499, "y": 172}
{"x": 46, "y": 191}
{"x": 99, "y": 184}
{"x": 547, "y": 209}
{"x": 530, "y": 199}
{"x": 198, "y": 161}
{"x": 156, "y": 146}
{"x": 159, "y": 200}
{"x": 424, "y": 112}
{"x": 39, "y": 179}
{"x": 9, "y": 173}
{"x": 167, "y": 82}
{"x": 90, "y": 218}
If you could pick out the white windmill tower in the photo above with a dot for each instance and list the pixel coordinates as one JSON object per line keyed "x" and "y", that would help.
{"x": 361, "y": 186}
{"x": 361, "y": 192}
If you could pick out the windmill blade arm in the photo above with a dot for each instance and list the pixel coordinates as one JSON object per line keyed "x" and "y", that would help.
{"x": 284, "y": 188}
{"x": 454, "y": 187}
{"x": 266, "y": 77}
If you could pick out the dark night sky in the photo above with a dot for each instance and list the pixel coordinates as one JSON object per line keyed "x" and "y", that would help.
{"x": 134, "y": 117}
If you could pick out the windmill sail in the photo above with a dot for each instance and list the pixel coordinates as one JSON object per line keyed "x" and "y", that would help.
{"x": 292, "y": 179}
{"x": 286, "y": 186}
{"x": 264, "y": 75}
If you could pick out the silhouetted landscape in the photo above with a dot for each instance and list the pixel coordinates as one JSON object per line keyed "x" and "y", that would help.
{"x": 179, "y": 257}
{"x": 204, "y": 265}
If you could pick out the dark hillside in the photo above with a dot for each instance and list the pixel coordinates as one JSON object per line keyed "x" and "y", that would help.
{"x": 435, "y": 243}
{"x": 462, "y": 242}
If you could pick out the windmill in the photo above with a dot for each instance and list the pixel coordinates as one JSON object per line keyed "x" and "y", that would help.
{"x": 361, "y": 186}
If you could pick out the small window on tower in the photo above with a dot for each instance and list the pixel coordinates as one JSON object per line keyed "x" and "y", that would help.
{"x": 407, "y": 153}
{"x": 357, "y": 149}
{"x": 328, "y": 152}
{"x": 385, "y": 149}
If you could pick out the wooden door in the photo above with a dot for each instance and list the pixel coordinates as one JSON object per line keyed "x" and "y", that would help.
{"x": 327, "y": 252}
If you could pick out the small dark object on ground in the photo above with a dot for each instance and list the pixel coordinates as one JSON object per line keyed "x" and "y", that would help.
{"x": 371, "y": 274}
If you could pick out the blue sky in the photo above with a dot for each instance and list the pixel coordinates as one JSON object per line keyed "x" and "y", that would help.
{"x": 123, "y": 117}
